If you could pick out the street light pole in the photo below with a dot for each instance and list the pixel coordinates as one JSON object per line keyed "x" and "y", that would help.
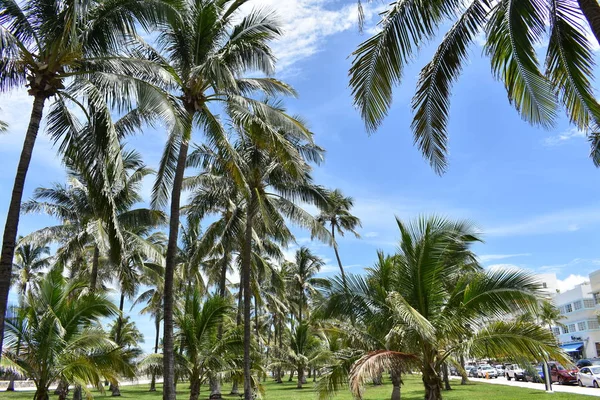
{"x": 547, "y": 378}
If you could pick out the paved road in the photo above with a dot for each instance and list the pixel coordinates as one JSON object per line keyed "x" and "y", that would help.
{"x": 540, "y": 386}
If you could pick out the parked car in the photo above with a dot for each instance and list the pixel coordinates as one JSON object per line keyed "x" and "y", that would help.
{"x": 587, "y": 362}
{"x": 499, "y": 369}
{"x": 533, "y": 373}
{"x": 472, "y": 372}
{"x": 514, "y": 371}
{"x": 560, "y": 374}
{"x": 589, "y": 376}
{"x": 484, "y": 371}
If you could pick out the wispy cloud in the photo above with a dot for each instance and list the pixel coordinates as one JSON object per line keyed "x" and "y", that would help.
{"x": 569, "y": 220}
{"x": 580, "y": 264}
{"x": 15, "y": 109}
{"x": 493, "y": 257}
{"x": 307, "y": 23}
{"x": 562, "y": 138}
{"x": 371, "y": 234}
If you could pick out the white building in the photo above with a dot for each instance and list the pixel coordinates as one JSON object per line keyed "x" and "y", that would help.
{"x": 580, "y": 335}
{"x": 549, "y": 283}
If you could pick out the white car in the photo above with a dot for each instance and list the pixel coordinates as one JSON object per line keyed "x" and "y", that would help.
{"x": 486, "y": 370}
{"x": 589, "y": 376}
{"x": 515, "y": 372}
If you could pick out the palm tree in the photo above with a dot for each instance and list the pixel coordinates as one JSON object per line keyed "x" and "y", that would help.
{"x": 58, "y": 337}
{"x": 305, "y": 349}
{"x": 302, "y": 282}
{"x": 337, "y": 214}
{"x": 87, "y": 219}
{"x": 198, "y": 323}
{"x": 513, "y": 31}
{"x": 30, "y": 260}
{"x": 153, "y": 298}
{"x": 207, "y": 55}
{"x": 45, "y": 45}
{"x": 436, "y": 297}
{"x": 273, "y": 170}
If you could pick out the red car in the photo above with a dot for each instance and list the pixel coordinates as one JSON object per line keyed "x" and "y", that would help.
{"x": 560, "y": 374}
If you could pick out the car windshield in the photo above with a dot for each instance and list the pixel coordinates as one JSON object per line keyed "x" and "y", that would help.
{"x": 595, "y": 370}
{"x": 559, "y": 367}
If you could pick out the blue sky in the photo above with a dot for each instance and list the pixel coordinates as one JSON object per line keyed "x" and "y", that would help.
{"x": 534, "y": 193}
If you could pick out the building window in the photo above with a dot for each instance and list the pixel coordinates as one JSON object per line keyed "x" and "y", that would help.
{"x": 597, "y": 349}
{"x": 561, "y": 309}
{"x": 597, "y": 298}
{"x": 556, "y": 331}
{"x": 588, "y": 303}
{"x": 577, "y": 305}
{"x": 593, "y": 324}
{"x": 572, "y": 328}
{"x": 581, "y": 326}
{"x": 565, "y": 329}
{"x": 544, "y": 285}
{"x": 568, "y": 308}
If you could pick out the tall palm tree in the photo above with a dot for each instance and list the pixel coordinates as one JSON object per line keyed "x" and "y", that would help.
{"x": 198, "y": 323}
{"x": 59, "y": 339}
{"x": 274, "y": 174}
{"x": 206, "y": 57}
{"x": 86, "y": 220}
{"x": 153, "y": 298}
{"x": 513, "y": 31}
{"x": 29, "y": 261}
{"x": 337, "y": 215}
{"x": 302, "y": 282}
{"x": 436, "y": 298}
{"x": 46, "y": 44}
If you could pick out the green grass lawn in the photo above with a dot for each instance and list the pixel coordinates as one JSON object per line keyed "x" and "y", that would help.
{"x": 412, "y": 390}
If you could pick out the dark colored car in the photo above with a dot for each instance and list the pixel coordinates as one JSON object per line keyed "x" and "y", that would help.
{"x": 472, "y": 372}
{"x": 560, "y": 374}
{"x": 533, "y": 374}
{"x": 587, "y": 362}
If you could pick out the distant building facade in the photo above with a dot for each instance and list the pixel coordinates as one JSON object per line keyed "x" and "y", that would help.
{"x": 579, "y": 334}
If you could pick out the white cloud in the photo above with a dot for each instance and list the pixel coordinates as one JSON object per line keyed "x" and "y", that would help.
{"x": 492, "y": 257}
{"x": 569, "y": 220}
{"x": 570, "y": 282}
{"x": 584, "y": 265}
{"x": 371, "y": 234}
{"x": 503, "y": 266}
{"x": 562, "y": 138}
{"x": 306, "y": 24}
{"x": 15, "y": 109}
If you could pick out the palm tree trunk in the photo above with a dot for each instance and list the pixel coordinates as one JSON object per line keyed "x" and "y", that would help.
{"x": 94, "y": 273}
{"x": 396, "y": 377}
{"x": 301, "y": 306}
{"x": 432, "y": 382}
{"x": 246, "y": 271}
{"x": 446, "y": 378}
{"x": 214, "y": 380}
{"x": 156, "y": 341}
{"x": 337, "y": 256}
{"x": 12, "y": 217}
{"x": 300, "y": 377}
{"x": 115, "y": 390}
{"x": 194, "y": 388}
{"x": 41, "y": 393}
{"x": 238, "y": 321}
{"x": 463, "y": 378}
{"x": 591, "y": 11}
{"x": 77, "y": 392}
{"x": 168, "y": 343}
